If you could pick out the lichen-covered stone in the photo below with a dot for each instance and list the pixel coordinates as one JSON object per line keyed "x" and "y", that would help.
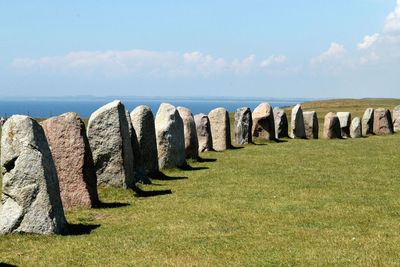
{"x": 110, "y": 141}
{"x": 203, "y": 129}
{"x": 382, "y": 122}
{"x": 356, "y": 128}
{"x": 66, "y": 135}
{"x": 345, "y": 121}
{"x": 297, "y": 123}
{"x": 170, "y": 137}
{"x": 281, "y": 123}
{"x": 396, "y": 119}
{"x": 190, "y": 133}
{"x": 311, "y": 124}
{"x": 332, "y": 126}
{"x": 30, "y": 199}
{"x": 243, "y": 124}
{"x": 220, "y": 129}
{"x": 263, "y": 122}
{"x": 367, "y": 123}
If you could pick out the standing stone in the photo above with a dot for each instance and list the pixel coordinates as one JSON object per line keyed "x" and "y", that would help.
{"x": 30, "y": 199}
{"x": 332, "y": 126}
{"x": 396, "y": 119}
{"x": 345, "y": 121}
{"x": 220, "y": 129}
{"x": 243, "y": 124}
{"x": 356, "y": 128}
{"x": 170, "y": 137}
{"x": 203, "y": 129}
{"x": 297, "y": 123}
{"x": 110, "y": 140}
{"x": 311, "y": 124}
{"x": 143, "y": 122}
{"x": 190, "y": 133}
{"x": 367, "y": 123}
{"x": 263, "y": 122}
{"x": 281, "y": 123}
{"x": 383, "y": 123}
{"x": 66, "y": 135}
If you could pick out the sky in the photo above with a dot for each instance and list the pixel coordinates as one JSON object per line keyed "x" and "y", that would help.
{"x": 252, "y": 48}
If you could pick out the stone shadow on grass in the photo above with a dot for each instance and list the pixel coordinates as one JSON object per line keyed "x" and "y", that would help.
{"x": 103, "y": 205}
{"x": 200, "y": 159}
{"x": 80, "y": 229}
{"x": 141, "y": 193}
{"x": 187, "y": 167}
{"x": 3, "y": 264}
{"x": 163, "y": 177}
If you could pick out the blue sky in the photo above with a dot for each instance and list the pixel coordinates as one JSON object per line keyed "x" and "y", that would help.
{"x": 254, "y": 48}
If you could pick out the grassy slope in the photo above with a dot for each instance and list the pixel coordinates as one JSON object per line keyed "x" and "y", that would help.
{"x": 301, "y": 202}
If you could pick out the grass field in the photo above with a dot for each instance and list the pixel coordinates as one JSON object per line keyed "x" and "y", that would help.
{"x": 297, "y": 202}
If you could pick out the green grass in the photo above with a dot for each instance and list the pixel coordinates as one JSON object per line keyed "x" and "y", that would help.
{"x": 300, "y": 202}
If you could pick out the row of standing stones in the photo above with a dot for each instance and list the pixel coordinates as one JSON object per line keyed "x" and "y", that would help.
{"x": 58, "y": 164}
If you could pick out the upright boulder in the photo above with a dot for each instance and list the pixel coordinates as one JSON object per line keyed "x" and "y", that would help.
{"x": 345, "y": 121}
{"x": 311, "y": 125}
{"x": 30, "y": 198}
{"x": 143, "y": 122}
{"x": 203, "y": 129}
{"x": 220, "y": 129}
{"x": 281, "y": 123}
{"x": 396, "y": 119}
{"x": 367, "y": 123}
{"x": 263, "y": 122}
{"x": 170, "y": 137}
{"x": 332, "y": 126}
{"x": 190, "y": 133}
{"x": 356, "y": 128}
{"x": 243, "y": 124}
{"x": 110, "y": 140}
{"x": 66, "y": 136}
{"x": 383, "y": 123}
{"x": 297, "y": 123}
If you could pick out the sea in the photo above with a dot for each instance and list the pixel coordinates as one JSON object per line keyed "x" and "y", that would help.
{"x": 84, "y": 106}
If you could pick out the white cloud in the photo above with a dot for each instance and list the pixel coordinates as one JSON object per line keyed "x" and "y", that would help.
{"x": 368, "y": 41}
{"x": 392, "y": 23}
{"x": 335, "y": 51}
{"x": 273, "y": 60}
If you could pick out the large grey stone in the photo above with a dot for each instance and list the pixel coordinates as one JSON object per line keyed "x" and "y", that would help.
{"x": 356, "y": 128}
{"x": 243, "y": 124}
{"x": 143, "y": 122}
{"x": 263, "y": 122}
{"x": 345, "y": 121}
{"x": 332, "y": 126}
{"x": 281, "y": 123}
{"x": 367, "y": 123}
{"x": 220, "y": 129}
{"x": 190, "y": 133}
{"x": 110, "y": 140}
{"x": 396, "y": 119}
{"x": 383, "y": 123}
{"x": 31, "y": 201}
{"x": 297, "y": 123}
{"x": 170, "y": 137}
{"x": 203, "y": 129}
{"x": 66, "y": 135}
{"x": 311, "y": 124}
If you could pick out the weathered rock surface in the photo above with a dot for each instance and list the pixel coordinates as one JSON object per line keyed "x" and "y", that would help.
{"x": 110, "y": 141}
{"x": 383, "y": 123}
{"x": 297, "y": 123}
{"x": 143, "y": 122}
{"x": 332, "y": 126}
{"x": 190, "y": 133}
{"x": 396, "y": 119}
{"x": 220, "y": 129}
{"x": 66, "y": 136}
{"x": 170, "y": 137}
{"x": 263, "y": 122}
{"x": 243, "y": 124}
{"x": 281, "y": 123}
{"x": 203, "y": 129}
{"x": 31, "y": 201}
{"x": 356, "y": 128}
{"x": 367, "y": 123}
{"x": 311, "y": 125}
{"x": 345, "y": 121}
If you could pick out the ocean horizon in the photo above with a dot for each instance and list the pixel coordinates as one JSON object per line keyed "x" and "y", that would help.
{"x": 44, "y": 107}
